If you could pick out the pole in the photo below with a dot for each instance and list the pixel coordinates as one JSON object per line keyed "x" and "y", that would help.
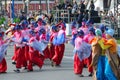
{"x": 24, "y": 6}
{"x": 40, "y": 7}
{"x": 46, "y": 6}
{"x": 5, "y": 6}
{"x": 0, "y": 6}
{"x": 27, "y": 6}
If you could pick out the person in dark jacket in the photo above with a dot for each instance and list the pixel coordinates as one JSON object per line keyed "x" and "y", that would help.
{"x": 23, "y": 17}
{"x": 80, "y": 19}
{"x": 82, "y": 6}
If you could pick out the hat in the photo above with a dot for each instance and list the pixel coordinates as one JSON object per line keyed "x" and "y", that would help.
{"x": 39, "y": 19}
{"x": 17, "y": 27}
{"x": 43, "y": 23}
{"x": 42, "y": 30}
{"x": 34, "y": 24}
{"x": 92, "y": 30}
{"x": 98, "y": 32}
{"x": 32, "y": 32}
{"x": 80, "y": 33}
{"x": 62, "y": 25}
{"x": 73, "y": 24}
{"x": 54, "y": 28}
{"x": 24, "y": 24}
{"x": 110, "y": 32}
{"x": 102, "y": 27}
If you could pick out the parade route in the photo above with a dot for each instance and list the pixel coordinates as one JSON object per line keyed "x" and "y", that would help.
{"x": 64, "y": 72}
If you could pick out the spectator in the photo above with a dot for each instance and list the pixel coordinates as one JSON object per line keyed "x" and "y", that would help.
{"x": 66, "y": 5}
{"x": 82, "y": 6}
{"x": 86, "y": 15}
{"x": 23, "y": 17}
{"x": 92, "y": 6}
{"x": 110, "y": 14}
{"x": 75, "y": 6}
{"x": 80, "y": 19}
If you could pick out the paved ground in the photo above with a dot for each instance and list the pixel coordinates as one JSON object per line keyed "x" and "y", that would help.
{"x": 65, "y": 72}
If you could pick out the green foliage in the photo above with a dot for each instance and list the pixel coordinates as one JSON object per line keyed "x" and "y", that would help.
{"x": 2, "y": 20}
{"x": 61, "y": 1}
{"x": 118, "y": 41}
{"x": 16, "y": 20}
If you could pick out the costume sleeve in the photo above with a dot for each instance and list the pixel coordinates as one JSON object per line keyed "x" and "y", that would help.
{"x": 104, "y": 46}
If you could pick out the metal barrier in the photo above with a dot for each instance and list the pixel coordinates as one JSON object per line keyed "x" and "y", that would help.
{"x": 64, "y": 15}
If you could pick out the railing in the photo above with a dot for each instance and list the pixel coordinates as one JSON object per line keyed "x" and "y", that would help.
{"x": 64, "y": 15}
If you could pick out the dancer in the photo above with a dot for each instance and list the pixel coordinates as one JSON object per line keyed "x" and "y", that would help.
{"x": 3, "y": 64}
{"x": 111, "y": 71}
{"x": 81, "y": 51}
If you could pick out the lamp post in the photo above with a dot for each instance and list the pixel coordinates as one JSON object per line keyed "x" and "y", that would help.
{"x": 5, "y": 7}
{"x": 27, "y": 6}
{"x": 24, "y": 5}
{"x": 46, "y": 6}
{"x": 0, "y": 7}
{"x": 40, "y": 7}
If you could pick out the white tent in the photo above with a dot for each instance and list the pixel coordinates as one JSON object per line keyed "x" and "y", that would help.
{"x": 112, "y": 6}
{"x": 97, "y": 3}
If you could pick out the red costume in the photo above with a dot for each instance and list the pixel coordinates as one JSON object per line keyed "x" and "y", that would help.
{"x": 34, "y": 56}
{"x": 59, "y": 49}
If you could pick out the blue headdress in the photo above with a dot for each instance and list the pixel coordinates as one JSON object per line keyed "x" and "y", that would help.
{"x": 42, "y": 30}
{"x": 80, "y": 33}
{"x": 54, "y": 28}
{"x": 32, "y": 32}
{"x": 17, "y": 27}
{"x": 110, "y": 32}
{"x": 1, "y": 34}
{"x": 92, "y": 30}
{"x": 73, "y": 24}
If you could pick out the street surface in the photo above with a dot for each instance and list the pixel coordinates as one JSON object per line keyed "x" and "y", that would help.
{"x": 64, "y": 72}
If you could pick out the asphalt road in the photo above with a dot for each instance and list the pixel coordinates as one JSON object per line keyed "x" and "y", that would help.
{"x": 64, "y": 72}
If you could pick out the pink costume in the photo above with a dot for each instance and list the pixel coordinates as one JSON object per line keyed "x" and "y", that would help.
{"x": 78, "y": 65}
{"x": 3, "y": 64}
{"x": 85, "y": 30}
{"x": 88, "y": 38}
{"x": 20, "y": 51}
{"x": 46, "y": 51}
{"x": 25, "y": 34}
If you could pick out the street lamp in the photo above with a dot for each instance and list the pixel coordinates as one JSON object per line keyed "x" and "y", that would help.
{"x": 40, "y": 7}
{"x": 0, "y": 7}
{"x": 27, "y": 5}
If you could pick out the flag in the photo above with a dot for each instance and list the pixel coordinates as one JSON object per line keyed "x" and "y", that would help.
{"x": 12, "y": 10}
